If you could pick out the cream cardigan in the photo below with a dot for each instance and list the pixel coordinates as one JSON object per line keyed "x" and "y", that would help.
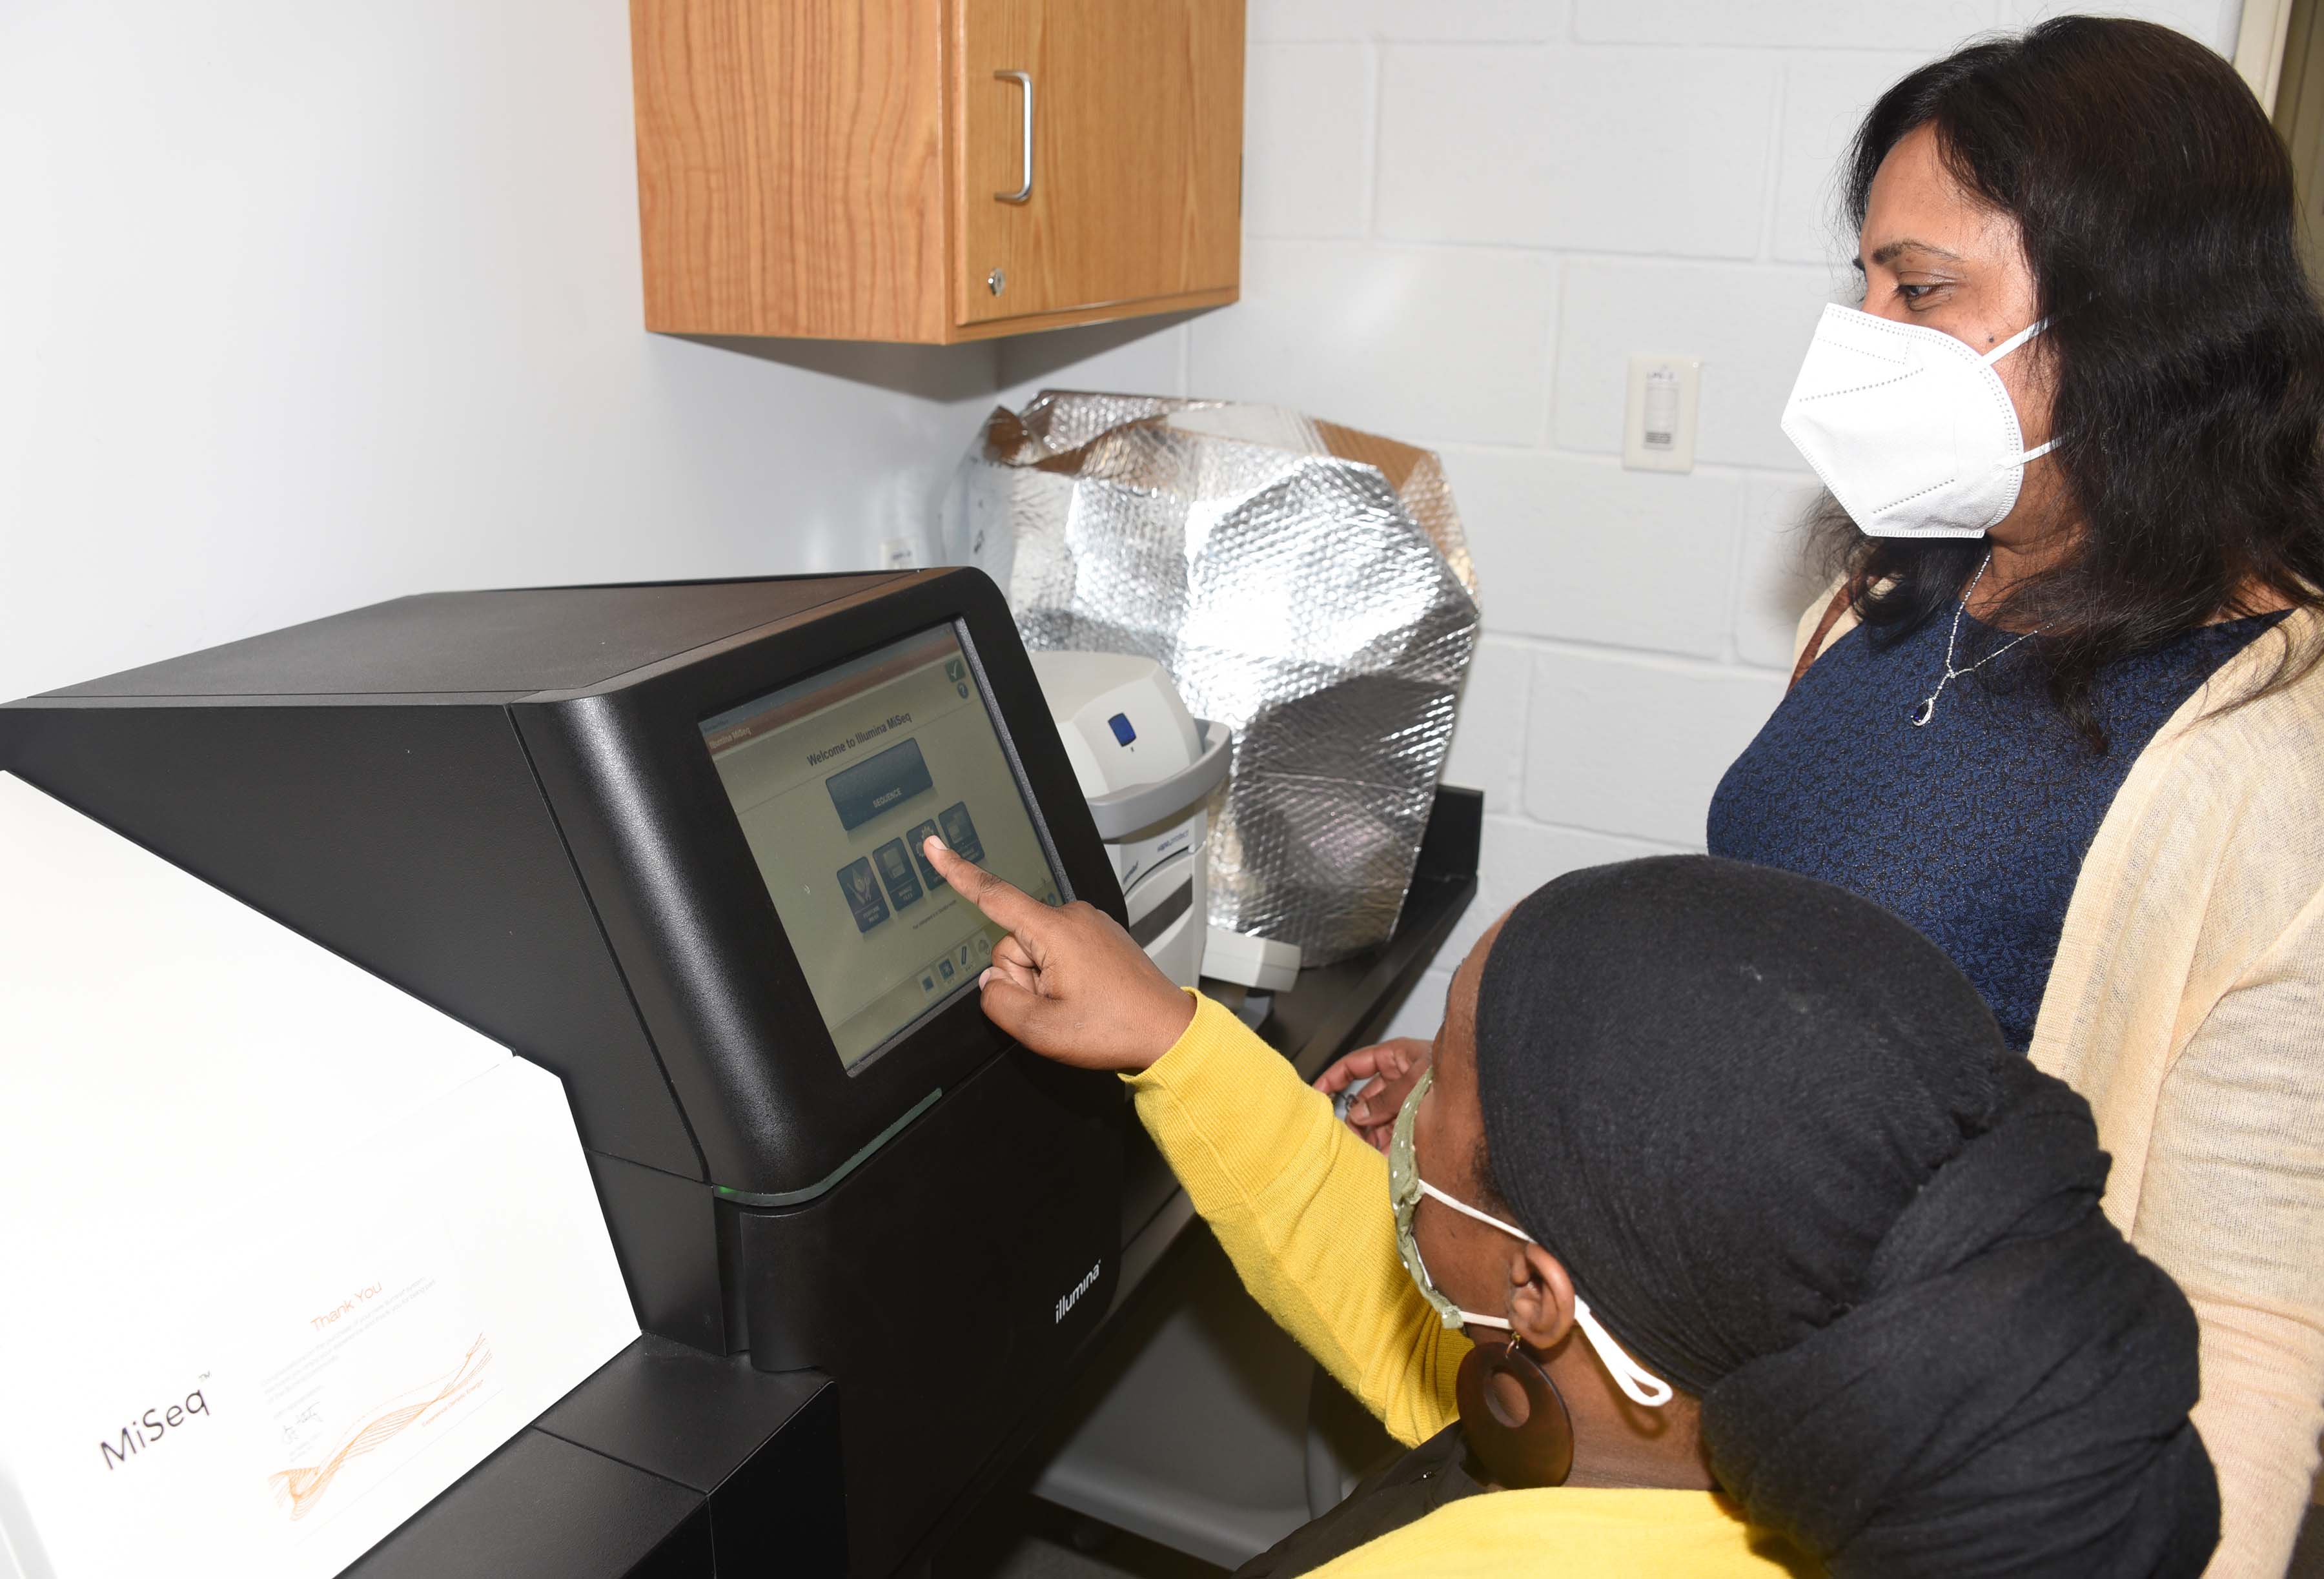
{"x": 2187, "y": 1003}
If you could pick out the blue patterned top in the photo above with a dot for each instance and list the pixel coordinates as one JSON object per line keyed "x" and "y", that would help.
{"x": 1972, "y": 828}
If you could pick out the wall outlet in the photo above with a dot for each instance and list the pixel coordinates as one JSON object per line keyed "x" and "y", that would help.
{"x": 1659, "y": 414}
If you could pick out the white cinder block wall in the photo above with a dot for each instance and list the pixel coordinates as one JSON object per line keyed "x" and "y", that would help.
{"x": 1463, "y": 218}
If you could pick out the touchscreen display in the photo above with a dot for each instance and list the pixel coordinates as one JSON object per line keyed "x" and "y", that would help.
{"x": 837, "y": 781}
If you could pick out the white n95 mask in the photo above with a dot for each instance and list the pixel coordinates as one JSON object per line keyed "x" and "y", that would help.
{"x": 1910, "y": 429}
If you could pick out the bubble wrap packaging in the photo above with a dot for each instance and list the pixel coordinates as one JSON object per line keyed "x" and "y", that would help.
{"x": 1305, "y": 584}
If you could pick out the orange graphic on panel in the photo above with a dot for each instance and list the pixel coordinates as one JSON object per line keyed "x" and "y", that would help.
{"x": 300, "y": 1489}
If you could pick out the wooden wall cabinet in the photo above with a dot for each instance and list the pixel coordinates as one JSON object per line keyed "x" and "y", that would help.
{"x": 856, "y": 168}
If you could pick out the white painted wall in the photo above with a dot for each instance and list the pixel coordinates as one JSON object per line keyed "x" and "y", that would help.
{"x": 305, "y": 303}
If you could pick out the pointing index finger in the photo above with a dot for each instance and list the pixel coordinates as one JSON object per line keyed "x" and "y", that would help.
{"x": 998, "y": 898}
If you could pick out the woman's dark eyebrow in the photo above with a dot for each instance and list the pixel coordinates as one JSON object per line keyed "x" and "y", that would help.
{"x": 1897, "y": 249}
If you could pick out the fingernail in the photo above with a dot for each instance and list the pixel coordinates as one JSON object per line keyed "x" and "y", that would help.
{"x": 983, "y": 978}
{"x": 1360, "y": 1111}
{"x": 937, "y": 842}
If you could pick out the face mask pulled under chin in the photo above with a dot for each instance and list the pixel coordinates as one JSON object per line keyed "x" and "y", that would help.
{"x": 1911, "y": 429}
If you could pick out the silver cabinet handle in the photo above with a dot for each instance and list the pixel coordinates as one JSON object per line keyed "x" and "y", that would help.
{"x": 1023, "y": 79}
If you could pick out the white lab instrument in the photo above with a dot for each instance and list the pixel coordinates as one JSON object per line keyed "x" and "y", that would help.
{"x": 289, "y": 1251}
{"x": 1147, "y": 767}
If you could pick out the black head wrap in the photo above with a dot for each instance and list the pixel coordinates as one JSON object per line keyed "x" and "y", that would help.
{"x": 1776, "y": 1139}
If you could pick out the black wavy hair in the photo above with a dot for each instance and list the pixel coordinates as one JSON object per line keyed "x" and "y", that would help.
{"x": 2156, "y": 207}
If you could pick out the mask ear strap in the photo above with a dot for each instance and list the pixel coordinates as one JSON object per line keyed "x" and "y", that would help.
{"x": 1467, "y": 1210}
{"x": 2003, "y": 349}
{"x": 1640, "y": 1385}
{"x": 1472, "y": 1317}
{"x": 2014, "y": 341}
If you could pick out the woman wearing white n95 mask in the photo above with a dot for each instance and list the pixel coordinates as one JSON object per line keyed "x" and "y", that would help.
{"x": 2061, "y": 709}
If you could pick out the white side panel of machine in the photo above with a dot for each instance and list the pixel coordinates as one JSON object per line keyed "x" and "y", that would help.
{"x": 289, "y": 1251}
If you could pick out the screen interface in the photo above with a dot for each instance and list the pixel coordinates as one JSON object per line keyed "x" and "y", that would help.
{"x": 837, "y": 781}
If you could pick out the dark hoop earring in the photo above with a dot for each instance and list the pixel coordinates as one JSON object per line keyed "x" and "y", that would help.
{"x": 1514, "y": 1417}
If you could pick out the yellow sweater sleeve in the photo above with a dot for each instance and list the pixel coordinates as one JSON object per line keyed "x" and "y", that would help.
{"x": 1299, "y": 1202}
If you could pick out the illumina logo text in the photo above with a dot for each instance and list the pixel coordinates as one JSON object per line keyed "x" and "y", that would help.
{"x": 148, "y": 1429}
{"x": 1067, "y": 1302}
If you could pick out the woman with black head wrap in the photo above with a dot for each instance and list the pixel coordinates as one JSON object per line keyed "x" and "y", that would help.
{"x": 1726, "y": 1235}
{"x": 1879, "y": 1261}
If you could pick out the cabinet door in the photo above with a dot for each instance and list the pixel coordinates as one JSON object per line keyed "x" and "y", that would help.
{"x": 1137, "y": 152}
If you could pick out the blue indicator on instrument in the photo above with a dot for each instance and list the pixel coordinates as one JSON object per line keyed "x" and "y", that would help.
{"x": 1120, "y": 725}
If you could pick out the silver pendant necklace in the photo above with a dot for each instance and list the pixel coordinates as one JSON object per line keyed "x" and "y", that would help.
{"x": 1928, "y": 708}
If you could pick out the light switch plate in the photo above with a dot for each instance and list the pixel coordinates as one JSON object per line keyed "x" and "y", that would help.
{"x": 1659, "y": 414}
